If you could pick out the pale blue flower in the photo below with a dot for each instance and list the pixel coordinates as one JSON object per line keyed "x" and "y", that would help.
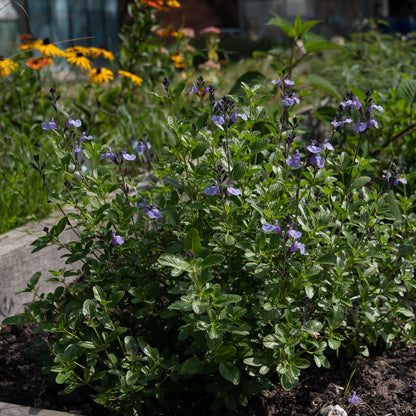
{"x": 317, "y": 160}
{"x": 154, "y": 213}
{"x": 352, "y": 103}
{"x": 326, "y": 145}
{"x": 232, "y": 191}
{"x": 235, "y": 116}
{"x": 70, "y": 122}
{"x": 290, "y": 99}
{"x": 314, "y": 147}
{"x": 218, "y": 120}
{"x": 213, "y": 190}
{"x": 295, "y": 234}
{"x": 272, "y": 227}
{"x": 372, "y": 122}
{"x": 109, "y": 154}
{"x": 355, "y": 399}
{"x": 126, "y": 156}
{"x": 49, "y": 125}
{"x": 142, "y": 147}
{"x": 400, "y": 179}
{"x": 294, "y": 160}
{"x": 359, "y": 126}
{"x": 297, "y": 246}
{"x": 375, "y": 107}
{"x": 84, "y": 137}
{"x": 340, "y": 123}
{"x": 117, "y": 240}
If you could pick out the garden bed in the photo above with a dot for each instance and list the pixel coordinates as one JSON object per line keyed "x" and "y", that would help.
{"x": 384, "y": 382}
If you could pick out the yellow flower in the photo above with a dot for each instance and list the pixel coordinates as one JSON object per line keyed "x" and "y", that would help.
{"x": 47, "y": 48}
{"x": 177, "y": 60}
{"x": 78, "y": 59}
{"x": 96, "y": 52}
{"x": 28, "y": 42}
{"x": 7, "y": 66}
{"x": 82, "y": 49}
{"x": 173, "y": 3}
{"x": 100, "y": 75}
{"x": 136, "y": 79}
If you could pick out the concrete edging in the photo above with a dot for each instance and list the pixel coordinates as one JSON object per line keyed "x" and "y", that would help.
{"x": 9, "y": 409}
{"x": 18, "y": 264}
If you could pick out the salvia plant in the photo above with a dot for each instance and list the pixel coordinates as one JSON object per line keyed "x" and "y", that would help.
{"x": 249, "y": 248}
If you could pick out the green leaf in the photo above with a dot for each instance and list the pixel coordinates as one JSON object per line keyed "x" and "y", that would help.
{"x": 253, "y": 361}
{"x": 199, "y": 150}
{"x": 99, "y": 293}
{"x": 228, "y": 240}
{"x": 34, "y": 279}
{"x": 71, "y": 351}
{"x": 360, "y": 182}
{"x": 212, "y": 260}
{"x": 394, "y": 205}
{"x": 62, "y": 377}
{"x": 313, "y": 326}
{"x": 13, "y": 320}
{"x": 283, "y": 24}
{"x": 89, "y": 345}
{"x": 202, "y": 120}
{"x": 191, "y": 366}
{"x": 325, "y": 113}
{"x": 192, "y": 241}
{"x": 298, "y": 25}
{"x": 58, "y": 228}
{"x": 307, "y": 26}
{"x": 251, "y": 78}
{"x": 325, "y": 85}
{"x": 199, "y": 306}
{"x": 333, "y": 343}
{"x": 239, "y": 170}
{"x": 321, "y": 45}
{"x": 328, "y": 258}
{"x": 148, "y": 350}
{"x": 116, "y": 297}
{"x": 259, "y": 145}
{"x": 129, "y": 344}
{"x": 88, "y": 308}
{"x": 407, "y": 90}
{"x": 178, "y": 265}
{"x": 287, "y": 381}
{"x": 301, "y": 363}
{"x": 178, "y": 89}
{"x": 230, "y": 372}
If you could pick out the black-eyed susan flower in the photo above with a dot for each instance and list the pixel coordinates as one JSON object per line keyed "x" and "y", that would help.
{"x": 100, "y": 75}
{"x": 136, "y": 79}
{"x": 173, "y": 3}
{"x": 78, "y": 59}
{"x": 45, "y": 47}
{"x": 28, "y": 42}
{"x": 97, "y": 52}
{"x": 7, "y": 66}
{"x": 75, "y": 49}
{"x": 157, "y": 4}
{"x": 38, "y": 63}
{"x": 177, "y": 60}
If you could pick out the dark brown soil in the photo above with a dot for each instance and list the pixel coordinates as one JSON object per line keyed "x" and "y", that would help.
{"x": 386, "y": 383}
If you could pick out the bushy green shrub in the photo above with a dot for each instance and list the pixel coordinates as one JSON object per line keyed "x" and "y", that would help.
{"x": 242, "y": 253}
